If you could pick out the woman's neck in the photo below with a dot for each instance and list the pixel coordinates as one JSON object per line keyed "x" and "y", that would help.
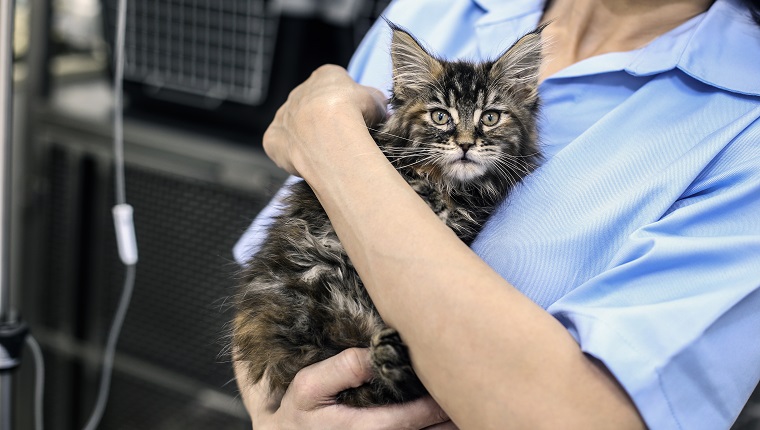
{"x": 582, "y": 29}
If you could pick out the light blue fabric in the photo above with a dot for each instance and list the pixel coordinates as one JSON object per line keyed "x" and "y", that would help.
{"x": 641, "y": 232}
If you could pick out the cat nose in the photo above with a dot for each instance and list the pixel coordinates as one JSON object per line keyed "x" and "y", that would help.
{"x": 465, "y": 145}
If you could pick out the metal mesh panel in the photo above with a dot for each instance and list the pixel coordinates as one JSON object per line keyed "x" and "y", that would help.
{"x": 170, "y": 349}
{"x": 185, "y": 233}
{"x": 61, "y": 231}
{"x": 219, "y": 49}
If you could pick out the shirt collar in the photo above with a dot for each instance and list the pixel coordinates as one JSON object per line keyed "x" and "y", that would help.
{"x": 724, "y": 50}
{"x": 720, "y": 48}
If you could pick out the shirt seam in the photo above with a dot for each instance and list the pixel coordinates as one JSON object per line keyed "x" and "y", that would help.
{"x": 667, "y": 398}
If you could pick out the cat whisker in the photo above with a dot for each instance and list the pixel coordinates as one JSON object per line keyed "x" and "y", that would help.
{"x": 511, "y": 173}
{"x": 391, "y": 134}
{"x": 402, "y": 150}
{"x": 516, "y": 168}
{"x": 521, "y": 161}
{"x": 417, "y": 161}
{"x": 497, "y": 150}
{"x": 418, "y": 152}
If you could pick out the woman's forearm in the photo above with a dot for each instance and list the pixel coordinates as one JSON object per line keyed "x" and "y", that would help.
{"x": 489, "y": 356}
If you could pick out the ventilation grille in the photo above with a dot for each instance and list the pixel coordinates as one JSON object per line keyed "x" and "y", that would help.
{"x": 185, "y": 233}
{"x": 171, "y": 363}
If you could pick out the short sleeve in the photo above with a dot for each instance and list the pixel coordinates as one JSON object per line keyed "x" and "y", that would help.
{"x": 676, "y": 315}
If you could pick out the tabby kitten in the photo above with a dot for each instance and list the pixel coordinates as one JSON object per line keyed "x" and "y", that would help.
{"x": 461, "y": 134}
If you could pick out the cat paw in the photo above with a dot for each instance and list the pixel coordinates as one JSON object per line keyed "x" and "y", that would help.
{"x": 390, "y": 356}
{"x": 394, "y": 381}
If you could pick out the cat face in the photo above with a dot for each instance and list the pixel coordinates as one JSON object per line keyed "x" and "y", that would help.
{"x": 463, "y": 121}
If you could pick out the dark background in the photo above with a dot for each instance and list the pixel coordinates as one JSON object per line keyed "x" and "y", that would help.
{"x": 203, "y": 80}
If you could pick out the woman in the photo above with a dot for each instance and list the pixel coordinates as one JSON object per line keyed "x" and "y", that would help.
{"x": 617, "y": 287}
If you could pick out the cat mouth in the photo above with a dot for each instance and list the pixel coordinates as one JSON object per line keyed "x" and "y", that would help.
{"x": 464, "y": 159}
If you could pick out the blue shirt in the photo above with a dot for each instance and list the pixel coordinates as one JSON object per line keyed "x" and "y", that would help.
{"x": 641, "y": 231}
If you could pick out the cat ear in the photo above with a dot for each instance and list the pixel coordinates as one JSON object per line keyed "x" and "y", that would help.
{"x": 519, "y": 66}
{"x": 413, "y": 66}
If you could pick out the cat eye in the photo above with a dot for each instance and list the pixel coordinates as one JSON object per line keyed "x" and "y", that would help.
{"x": 440, "y": 117}
{"x": 490, "y": 118}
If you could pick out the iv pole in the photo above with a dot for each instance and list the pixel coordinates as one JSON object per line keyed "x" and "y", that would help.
{"x": 12, "y": 330}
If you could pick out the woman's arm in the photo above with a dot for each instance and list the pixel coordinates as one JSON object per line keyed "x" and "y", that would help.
{"x": 489, "y": 356}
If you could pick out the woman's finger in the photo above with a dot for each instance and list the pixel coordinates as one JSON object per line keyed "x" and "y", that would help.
{"x": 317, "y": 385}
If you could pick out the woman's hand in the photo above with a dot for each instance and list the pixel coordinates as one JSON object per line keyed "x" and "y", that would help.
{"x": 310, "y": 403}
{"x": 306, "y": 125}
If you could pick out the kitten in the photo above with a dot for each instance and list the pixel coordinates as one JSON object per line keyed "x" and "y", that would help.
{"x": 461, "y": 134}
